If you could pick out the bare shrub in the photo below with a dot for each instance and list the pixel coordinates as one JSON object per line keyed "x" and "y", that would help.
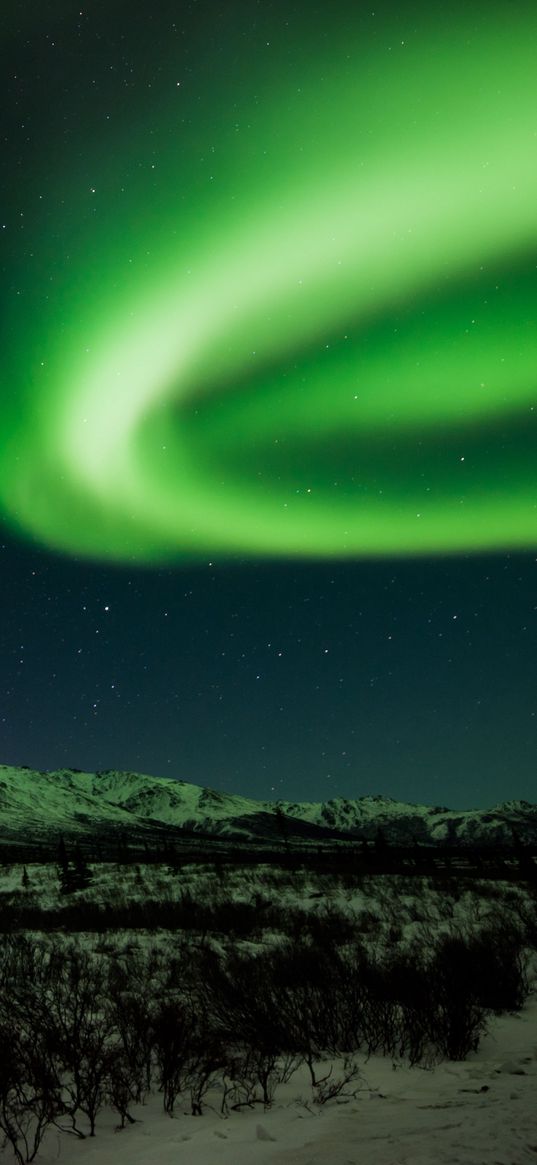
{"x": 129, "y": 992}
{"x": 172, "y": 1033}
{"x": 330, "y": 1087}
{"x": 81, "y": 1032}
{"x": 29, "y": 1091}
{"x": 489, "y": 965}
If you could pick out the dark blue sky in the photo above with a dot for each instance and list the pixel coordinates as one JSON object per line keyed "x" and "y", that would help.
{"x": 416, "y": 679}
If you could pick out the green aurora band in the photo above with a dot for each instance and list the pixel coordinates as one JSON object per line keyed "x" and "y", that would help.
{"x": 320, "y": 342}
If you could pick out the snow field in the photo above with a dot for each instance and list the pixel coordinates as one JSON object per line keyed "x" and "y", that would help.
{"x": 405, "y": 1116}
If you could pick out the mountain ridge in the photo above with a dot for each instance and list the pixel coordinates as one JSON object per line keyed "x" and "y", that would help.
{"x": 71, "y": 801}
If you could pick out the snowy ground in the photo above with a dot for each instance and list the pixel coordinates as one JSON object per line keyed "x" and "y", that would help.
{"x": 480, "y": 1112}
{"x": 377, "y": 903}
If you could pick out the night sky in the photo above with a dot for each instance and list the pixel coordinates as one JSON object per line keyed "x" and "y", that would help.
{"x": 268, "y": 501}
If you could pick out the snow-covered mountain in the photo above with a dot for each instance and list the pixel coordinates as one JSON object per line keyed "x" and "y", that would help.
{"x": 406, "y": 823}
{"x": 35, "y": 804}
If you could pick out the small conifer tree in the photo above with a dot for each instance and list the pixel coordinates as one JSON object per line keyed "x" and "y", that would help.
{"x": 65, "y": 873}
{"x": 282, "y": 825}
{"x": 82, "y": 872}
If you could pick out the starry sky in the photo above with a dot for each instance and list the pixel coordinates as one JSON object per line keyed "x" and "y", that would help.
{"x": 268, "y": 507}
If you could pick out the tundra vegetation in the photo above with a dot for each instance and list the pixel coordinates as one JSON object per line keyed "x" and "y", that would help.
{"x": 198, "y": 980}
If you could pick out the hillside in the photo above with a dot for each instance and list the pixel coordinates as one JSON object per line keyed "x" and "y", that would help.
{"x": 35, "y": 803}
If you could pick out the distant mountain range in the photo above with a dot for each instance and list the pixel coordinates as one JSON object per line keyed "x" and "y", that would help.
{"x": 35, "y": 805}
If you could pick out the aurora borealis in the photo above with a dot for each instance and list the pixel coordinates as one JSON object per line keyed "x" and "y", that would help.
{"x": 318, "y": 337}
{"x": 268, "y": 512}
